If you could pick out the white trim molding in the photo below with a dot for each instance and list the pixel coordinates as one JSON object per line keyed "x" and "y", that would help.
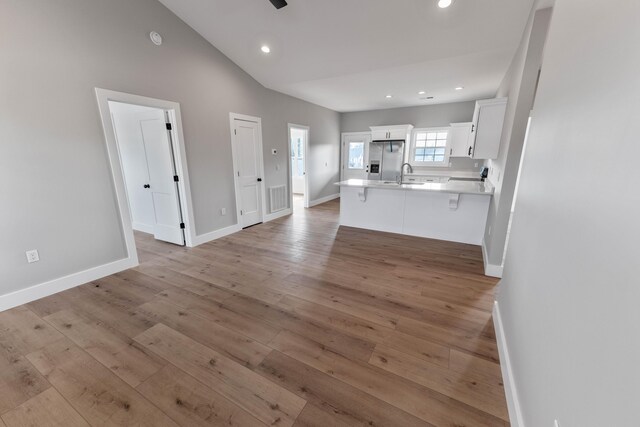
{"x": 510, "y": 389}
{"x": 491, "y": 270}
{"x": 217, "y": 234}
{"x": 35, "y": 292}
{"x": 323, "y": 200}
{"x": 306, "y": 164}
{"x": 279, "y": 214}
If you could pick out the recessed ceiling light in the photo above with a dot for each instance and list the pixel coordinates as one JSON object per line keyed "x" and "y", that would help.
{"x": 389, "y": 96}
{"x": 460, "y": 88}
{"x": 265, "y": 49}
{"x": 444, "y": 3}
{"x": 421, "y": 92}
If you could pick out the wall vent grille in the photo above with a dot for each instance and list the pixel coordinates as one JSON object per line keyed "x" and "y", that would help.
{"x": 278, "y": 198}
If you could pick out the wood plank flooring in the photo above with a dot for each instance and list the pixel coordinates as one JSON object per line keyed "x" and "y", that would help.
{"x": 296, "y": 322}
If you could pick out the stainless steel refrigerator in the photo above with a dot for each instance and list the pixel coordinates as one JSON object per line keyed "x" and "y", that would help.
{"x": 385, "y": 160}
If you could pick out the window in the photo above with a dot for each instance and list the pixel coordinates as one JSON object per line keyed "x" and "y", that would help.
{"x": 356, "y": 155}
{"x": 297, "y": 156}
{"x": 430, "y": 147}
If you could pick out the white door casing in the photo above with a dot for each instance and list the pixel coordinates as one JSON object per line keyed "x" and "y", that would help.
{"x": 307, "y": 154}
{"x": 355, "y": 155}
{"x": 103, "y": 96}
{"x": 246, "y": 135}
{"x": 298, "y": 141}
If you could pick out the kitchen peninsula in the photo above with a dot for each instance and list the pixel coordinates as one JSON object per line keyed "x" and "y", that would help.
{"x": 453, "y": 210}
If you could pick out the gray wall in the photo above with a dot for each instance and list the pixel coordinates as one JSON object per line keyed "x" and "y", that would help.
{"x": 56, "y": 188}
{"x": 420, "y": 117}
{"x": 570, "y": 293}
{"x": 519, "y": 86}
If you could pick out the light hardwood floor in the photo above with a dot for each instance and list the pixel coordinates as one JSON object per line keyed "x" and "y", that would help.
{"x": 294, "y": 322}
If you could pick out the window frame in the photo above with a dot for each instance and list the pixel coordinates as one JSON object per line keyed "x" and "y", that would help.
{"x": 447, "y": 147}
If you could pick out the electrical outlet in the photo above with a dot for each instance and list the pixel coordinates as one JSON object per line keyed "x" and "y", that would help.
{"x": 32, "y": 256}
{"x": 476, "y": 164}
{"x": 223, "y": 211}
{"x": 277, "y": 167}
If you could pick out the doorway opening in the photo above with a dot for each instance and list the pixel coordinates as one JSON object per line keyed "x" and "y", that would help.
{"x": 248, "y": 169}
{"x": 298, "y": 153}
{"x": 148, "y": 163}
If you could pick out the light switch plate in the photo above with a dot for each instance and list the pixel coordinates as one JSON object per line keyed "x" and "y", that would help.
{"x": 32, "y": 256}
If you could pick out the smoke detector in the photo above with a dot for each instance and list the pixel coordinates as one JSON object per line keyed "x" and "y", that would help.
{"x": 155, "y": 38}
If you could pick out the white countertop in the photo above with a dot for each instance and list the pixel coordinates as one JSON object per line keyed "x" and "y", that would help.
{"x": 454, "y": 187}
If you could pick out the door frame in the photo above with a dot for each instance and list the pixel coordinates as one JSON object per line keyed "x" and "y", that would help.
{"x": 103, "y": 97}
{"x": 306, "y": 163}
{"x": 342, "y": 149}
{"x": 236, "y": 185}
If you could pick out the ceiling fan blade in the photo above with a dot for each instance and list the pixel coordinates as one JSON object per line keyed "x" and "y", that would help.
{"x": 279, "y": 4}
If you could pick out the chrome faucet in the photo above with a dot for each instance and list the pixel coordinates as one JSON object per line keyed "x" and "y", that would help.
{"x": 402, "y": 171}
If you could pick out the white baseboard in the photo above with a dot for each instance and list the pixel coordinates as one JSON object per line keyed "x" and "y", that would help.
{"x": 323, "y": 200}
{"x": 51, "y": 287}
{"x": 276, "y": 215}
{"x": 510, "y": 390}
{"x": 491, "y": 270}
{"x": 207, "y": 237}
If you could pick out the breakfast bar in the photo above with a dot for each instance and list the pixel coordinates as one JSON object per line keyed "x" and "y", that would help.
{"x": 454, "y": 210}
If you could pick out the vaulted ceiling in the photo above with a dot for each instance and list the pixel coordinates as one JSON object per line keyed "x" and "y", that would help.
{"x": 348, "y": 55}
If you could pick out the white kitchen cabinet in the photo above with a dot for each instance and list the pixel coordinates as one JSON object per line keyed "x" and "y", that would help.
{"x": 388, "y": 133}
{"x": 459, "y": 137}
{"x": 486, "y": 128}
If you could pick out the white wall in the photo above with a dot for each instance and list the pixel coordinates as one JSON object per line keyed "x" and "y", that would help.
{"x": 126, "y": 120}
{"x": 519, "y": 86}
{"x": 57, "y": 192}
{"x": 570, "y": 294}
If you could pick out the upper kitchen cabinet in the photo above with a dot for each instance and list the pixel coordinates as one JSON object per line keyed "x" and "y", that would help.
{"x": 486, "y": 128}
{"x": 459, "y": 140}
{"x": 388, "y": 133}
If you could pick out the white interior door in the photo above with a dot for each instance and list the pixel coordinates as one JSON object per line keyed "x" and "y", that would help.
{"x": 248, "y": 148}
{"x": 162, "y": 186}
{"x": 126, "y": 120}
{"x": 298, "y": 141}
{"x": 355, "y": 155}
{"x": 147, "y": 159}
